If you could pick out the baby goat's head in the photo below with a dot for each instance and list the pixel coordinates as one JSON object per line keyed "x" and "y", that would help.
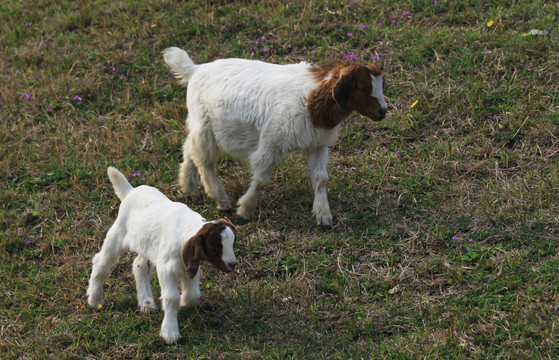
{"x": 346, "y": 87}
{"x": 213, "y": 243}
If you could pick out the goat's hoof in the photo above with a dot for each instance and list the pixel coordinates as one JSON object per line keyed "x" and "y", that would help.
{"x": 239, "y": 220}
{"x": 96, "y": 304}
{"x": 170, "y": 337}
{"x": 244, "y": 214}
{"x": 325, "y": 222}
{"x": 228, "y": 210}
{"x": 224, "y": 204}
{"x": 148, "y": 305}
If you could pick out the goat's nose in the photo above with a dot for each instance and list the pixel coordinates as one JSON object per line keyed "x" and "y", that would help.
{"x": 382, "y": 111}
{"x": 232, "y": 265}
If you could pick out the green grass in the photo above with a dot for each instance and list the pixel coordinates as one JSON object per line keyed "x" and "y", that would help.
{"x": 445, "y": 243}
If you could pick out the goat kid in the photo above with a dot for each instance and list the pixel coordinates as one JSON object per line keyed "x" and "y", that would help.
{"x": 260, "y": 112}
{"x": 168, "y": 235}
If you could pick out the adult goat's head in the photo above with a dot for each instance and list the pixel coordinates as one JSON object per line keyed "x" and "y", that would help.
{"x": 346, "y": 87}
{"x": 359, "y": 88}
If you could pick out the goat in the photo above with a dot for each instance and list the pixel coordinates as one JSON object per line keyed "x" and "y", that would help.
{"x": 168, "y": 235}
{"x": 260, "y": 112}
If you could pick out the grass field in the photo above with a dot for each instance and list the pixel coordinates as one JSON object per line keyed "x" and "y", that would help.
{"x": 445, "y": 243}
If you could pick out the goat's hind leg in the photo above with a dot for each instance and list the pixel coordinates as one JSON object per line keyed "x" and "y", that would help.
{"x": 103, "y": 263}
{"x": 188, "y": 174}
{"x": 262, "y": 163}
{"x": 204, "y": 153}
{"x": 142, "y": 270}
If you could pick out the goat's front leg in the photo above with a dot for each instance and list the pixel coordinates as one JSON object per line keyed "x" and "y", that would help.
{"x": 317, "y": 162}
{"x": 190, "y": 290}
{"x": 170, "y": 299}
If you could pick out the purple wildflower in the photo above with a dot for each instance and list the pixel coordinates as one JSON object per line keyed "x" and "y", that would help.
{"x": 252, "y": 49}
{"x": 28, "y": 240}
{"x": 28, "y": 23}
{"x": 363, "y": 26}
{"x": 379, "y": 23}
{"x": 136, "y": 174}
{"x": 148, "y": 126}
{"x": 26, "y": 95}
{"x": 394, "y": 21}
{"x": 220, "y": 314}
{"x": 349, "y": 34}
{"x": 459, "y": 247}
{"x": 376, "y": 57}
{"x": 202, "y": 298}
{"x": 471, "y": 240}
{"x": 115, "y": 68}
{"x": 352, "y": 57}
{"x": 256, "y": 15}
{"x": 406, "y": 13}
{"x": 455, "y": 238}
{"x": 19, "y": 234}
{"x": 77, "y": 97}
{"x": 434, "y": 2}
{"x": 264, "y": 38}
{"x": 10, "y": 175}
{"x": 410, "y": 21}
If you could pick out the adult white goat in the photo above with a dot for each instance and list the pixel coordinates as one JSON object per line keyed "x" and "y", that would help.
{"x": 260, "y": 112}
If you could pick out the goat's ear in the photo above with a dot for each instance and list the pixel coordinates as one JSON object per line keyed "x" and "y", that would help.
{"x": 344, "y": 88}
{"x": 191, "y": 254}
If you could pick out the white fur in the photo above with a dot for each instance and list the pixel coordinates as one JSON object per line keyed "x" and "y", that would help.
{"x": 254, "y": 111}
{"x": 155, "y": 228}
{"x": 377, "y": 90}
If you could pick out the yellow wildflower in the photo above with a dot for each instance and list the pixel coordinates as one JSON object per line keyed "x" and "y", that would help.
{"x": 414, "y": 103}
{"x": 99, "y": 306}
{"x": 490, "y": 23}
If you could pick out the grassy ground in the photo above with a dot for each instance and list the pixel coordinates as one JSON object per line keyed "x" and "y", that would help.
{"x": 447, "y": 224}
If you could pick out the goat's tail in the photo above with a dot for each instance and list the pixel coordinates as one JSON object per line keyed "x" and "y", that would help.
{"x": 180, "y": 63}
{"x": 120, "y": 183}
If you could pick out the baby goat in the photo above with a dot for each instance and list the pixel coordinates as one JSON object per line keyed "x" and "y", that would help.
{"x": 260, "y": 112}
{"x": 168, "y": 235}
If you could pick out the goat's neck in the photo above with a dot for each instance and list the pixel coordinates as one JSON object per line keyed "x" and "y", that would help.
{"x": 323, "y": 109}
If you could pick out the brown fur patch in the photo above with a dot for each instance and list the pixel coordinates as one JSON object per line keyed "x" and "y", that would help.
{"x": 205, "y": 245}
{"x": 336, "y": 97}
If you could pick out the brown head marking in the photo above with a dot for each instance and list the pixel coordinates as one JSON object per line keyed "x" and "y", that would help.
{"x": 344, "y": 87}
{"x": 206, "y": 245}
